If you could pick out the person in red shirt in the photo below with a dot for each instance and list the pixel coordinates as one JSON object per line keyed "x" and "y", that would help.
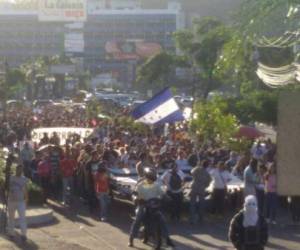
{"x": 67, "y": 168}
{"x": 44, "y": 173}
{"x": 101, "y": 181}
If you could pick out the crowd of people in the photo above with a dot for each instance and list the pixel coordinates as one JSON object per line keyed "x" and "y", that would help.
{"x": 198, "y": 175}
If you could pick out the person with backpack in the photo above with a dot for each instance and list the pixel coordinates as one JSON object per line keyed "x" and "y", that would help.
{"x": 174, "y": 180}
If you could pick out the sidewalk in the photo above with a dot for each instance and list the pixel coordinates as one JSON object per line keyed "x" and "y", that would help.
{"x": 36, "y": 216}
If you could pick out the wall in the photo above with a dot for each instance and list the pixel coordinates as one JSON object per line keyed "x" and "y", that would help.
{"x": 288, "y": 139}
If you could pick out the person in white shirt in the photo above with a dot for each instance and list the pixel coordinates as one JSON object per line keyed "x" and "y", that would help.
{"x": 17, "y": 198}
{"x": 220, "y": 177}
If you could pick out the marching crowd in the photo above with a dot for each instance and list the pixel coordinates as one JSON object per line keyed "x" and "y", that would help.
{"x": 197, "y": 174}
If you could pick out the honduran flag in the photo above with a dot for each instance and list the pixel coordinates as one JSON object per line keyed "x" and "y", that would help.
{"x": 160, "y": 109}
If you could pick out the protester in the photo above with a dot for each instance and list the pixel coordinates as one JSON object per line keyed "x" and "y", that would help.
{"x": 142, "y": 164}
{"x": 44, "y": 173}
{"x": 220, "y": 177}
{"x": 250, "y": 178}
{"x": 17, "y": 198}
{"x": 54, "y": 139}
{"x": 148, "y": 189}
{"x": 260, "y": 188}
{"x": 271, "y": 194}
{"x": 200, "y": 182}
{"x": 174, "y": 180}
{"x": 101, "y": 181}
{"x": 55, "y": 156}
{"x": 181, "y": 161}
{"x": 26, "y": 155}
{"x": 67, "y": 167}
{"x": 248, "y": 230}
{"x": 90, "y": 169}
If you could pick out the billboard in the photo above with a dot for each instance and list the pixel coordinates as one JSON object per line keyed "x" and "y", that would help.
{"x": 62, "y": 10}
{"x": 62, "y": 69}
{"x": 131, "y": 50}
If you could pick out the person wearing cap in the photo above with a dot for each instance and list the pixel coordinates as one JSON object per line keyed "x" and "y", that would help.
{"x": 248, "y": 229}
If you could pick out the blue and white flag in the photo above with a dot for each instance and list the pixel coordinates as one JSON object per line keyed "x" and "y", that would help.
{"x": 162, "y": 108}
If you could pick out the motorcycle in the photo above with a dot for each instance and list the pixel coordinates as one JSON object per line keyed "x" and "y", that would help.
{"x": 153, "y": 222}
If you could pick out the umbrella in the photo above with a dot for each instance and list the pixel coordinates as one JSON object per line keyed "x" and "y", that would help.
{"x": 249, "y": 133}
{"x": 46, "y": 146}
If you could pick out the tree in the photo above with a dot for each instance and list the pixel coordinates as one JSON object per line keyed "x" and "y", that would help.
{"x": 257, "y": 106}
{"x": 155, "y": 73}
{"x": 15, "y": 81}
{"x": 35, "y": 72}
{"x": 267, "y": 17}
{"x": 213, "y": 123}
{"x": 202, "y": 46}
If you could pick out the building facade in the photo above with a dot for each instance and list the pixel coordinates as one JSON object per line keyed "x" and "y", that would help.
{"x": 115, "y": 38}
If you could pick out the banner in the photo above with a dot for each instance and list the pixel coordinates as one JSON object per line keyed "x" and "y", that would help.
{"x": 131, "y": 50}
{"x": 63, "y": 133}
{"x": 62, "y": 11}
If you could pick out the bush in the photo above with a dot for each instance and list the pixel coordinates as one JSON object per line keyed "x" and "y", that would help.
{"x": 35, "y": 192}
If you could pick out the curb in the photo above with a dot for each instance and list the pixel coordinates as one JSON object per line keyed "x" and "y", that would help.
{"x": 36, "y": 216}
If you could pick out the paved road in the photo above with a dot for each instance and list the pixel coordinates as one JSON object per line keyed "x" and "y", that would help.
{"x": 75, "y": 229}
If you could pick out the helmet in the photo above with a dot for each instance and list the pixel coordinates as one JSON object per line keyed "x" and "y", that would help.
{"x": 150, "y": 173}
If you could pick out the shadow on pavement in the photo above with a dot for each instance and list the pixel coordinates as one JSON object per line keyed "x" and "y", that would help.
{"x": 73, "y": 214}
{"x": 55, "y": 221}
{"x": 28, "y": 245}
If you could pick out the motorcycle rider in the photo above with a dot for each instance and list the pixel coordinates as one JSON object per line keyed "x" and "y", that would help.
{"x": 147, "y": 189}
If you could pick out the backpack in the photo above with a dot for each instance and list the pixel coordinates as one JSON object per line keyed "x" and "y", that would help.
{"x": 175, "y": 181}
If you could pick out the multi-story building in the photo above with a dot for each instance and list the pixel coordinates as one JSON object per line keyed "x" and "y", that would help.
{"x": 116, "y": 36}
{"x": 23, "y": 37}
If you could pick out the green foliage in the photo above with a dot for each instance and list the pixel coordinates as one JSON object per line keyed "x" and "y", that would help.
{"x": 155, "y": 72}
{"x": 212, "y": 122}
{"x": 240, "y": 145}
{"x": 263, "y": 17}
{"x": 93, "y": 109}
{"x": 129, "y": 124}
{"x": 35, "y": 194}
{"x": 202, "y": 46}
{"x": 256, "y": 106}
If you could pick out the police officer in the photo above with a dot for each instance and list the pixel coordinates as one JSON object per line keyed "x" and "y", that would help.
{"x": 147, "y": 189}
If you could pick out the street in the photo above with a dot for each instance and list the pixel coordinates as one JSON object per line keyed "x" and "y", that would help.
{"x": 75, "y": 229}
